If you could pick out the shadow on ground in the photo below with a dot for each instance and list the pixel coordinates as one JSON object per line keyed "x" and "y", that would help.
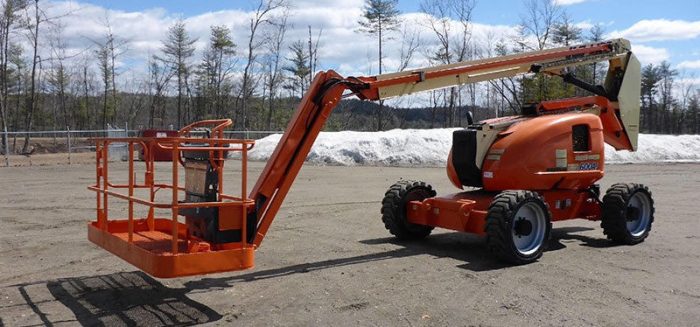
{"x": 134, "y": 298}
{"x": 128, "y": 298}
{"x": 565, "y": 234}
{"x": 466, "y": 248}
{"x": 460, "y": 246}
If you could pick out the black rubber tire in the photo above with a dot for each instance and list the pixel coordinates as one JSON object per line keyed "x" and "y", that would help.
{"x": 614, "y": 220}
{"x": 394, "y": 206}
{"x": 499, "y": 224}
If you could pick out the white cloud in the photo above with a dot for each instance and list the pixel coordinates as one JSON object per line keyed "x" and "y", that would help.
{"x": 689, "y": 81}
{"x": 341, "y": 47}
{"x": 689, "y": 64}
{"x": 567, "y": 2}
{"x": 660, "y": 30}
{"x": 584, "y": 25}
{"x": 650, "y": 55}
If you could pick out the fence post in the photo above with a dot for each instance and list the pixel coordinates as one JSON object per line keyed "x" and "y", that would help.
{"x": 7, "y": 147}
{"x": 69, "y": 145}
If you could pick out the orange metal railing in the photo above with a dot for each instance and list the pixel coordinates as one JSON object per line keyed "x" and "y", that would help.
{"x": 215, "y": 144}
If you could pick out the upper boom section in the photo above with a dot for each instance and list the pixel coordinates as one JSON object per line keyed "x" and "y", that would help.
{"x": 545, "y": 61}
{"x": 621, "y": 87}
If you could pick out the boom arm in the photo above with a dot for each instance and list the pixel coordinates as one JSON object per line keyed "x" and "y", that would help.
{"x": 621, "y": 89}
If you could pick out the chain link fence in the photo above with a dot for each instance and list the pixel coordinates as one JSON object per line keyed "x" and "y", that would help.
{"x": 76, "y": 146}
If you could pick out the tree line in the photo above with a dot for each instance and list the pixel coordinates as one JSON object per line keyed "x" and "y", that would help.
{"x": 258, "y": 80}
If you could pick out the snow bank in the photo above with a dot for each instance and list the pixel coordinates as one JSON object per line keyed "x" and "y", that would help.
{"x": 429, "y": 148}
{"x": 658, "y": 148}
{"x": 398, "y": 147}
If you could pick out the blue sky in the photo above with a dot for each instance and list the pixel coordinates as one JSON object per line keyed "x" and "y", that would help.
{"x": 489, "y": 11}
{"x": 659, "y": 30}
{"x": 614, "y": 14}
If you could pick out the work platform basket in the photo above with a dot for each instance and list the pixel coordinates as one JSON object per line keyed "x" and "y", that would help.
{"x": 213, "y": 236}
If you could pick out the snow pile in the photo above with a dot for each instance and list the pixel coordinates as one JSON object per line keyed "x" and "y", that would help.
{"x": 398, "y": 147}
{"x": 430, "y": 147}
{"x": 658, "y": 148}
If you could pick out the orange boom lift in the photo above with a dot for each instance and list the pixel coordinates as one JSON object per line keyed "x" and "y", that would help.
{"x": 522, "y": 172}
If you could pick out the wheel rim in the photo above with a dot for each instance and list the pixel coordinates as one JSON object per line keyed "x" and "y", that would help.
{"x": 529, "y": 226}
{"x": 638, "y": 214}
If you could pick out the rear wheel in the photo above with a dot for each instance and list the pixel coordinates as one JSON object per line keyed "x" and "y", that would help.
{"x": 394, "y": 205}
{"x": 628, "y": 212}
{"x": 517, "y": 226}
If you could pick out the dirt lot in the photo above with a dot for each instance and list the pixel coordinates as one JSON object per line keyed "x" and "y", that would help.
{"x": 327, "y": 260}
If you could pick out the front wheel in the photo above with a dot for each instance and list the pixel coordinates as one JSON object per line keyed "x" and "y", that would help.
{"x": 628, "y": 212}
{"x": 394, "y": 205}
{"x": 518, "y": 226}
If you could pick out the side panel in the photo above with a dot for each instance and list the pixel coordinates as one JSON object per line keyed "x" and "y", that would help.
{"x": 538, "y": 154}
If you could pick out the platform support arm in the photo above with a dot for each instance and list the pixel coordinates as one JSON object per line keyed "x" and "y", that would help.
{"x": 285, "y": 162}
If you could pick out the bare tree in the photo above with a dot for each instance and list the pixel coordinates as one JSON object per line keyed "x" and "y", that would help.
{"x": 538, "y": 22}
{"x": 108, "y": 51}
{"x": 159, "y": 77}
{"x": 264, "y": 15}
{"x": 137, "y": 99}
{"x": 667, "y": 100}
{"x": 274, "y": 64}
{"x": 687, "y": 91}
{"x": 313, "y": 52}
{"x": 694, "y": 112}
{"x": 410, "y": 43}
{"x": 59, "y": 75}
{"x": 507, "y": 88}
{"x": 454, "y": 41}
{"x": 34, "y": 16}
{"x": 465, "y": 50}
{"x": 10, "y": 15}
{"x": 87, "y": 85}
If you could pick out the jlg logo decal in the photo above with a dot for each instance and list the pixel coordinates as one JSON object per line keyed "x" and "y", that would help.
{"x": 588, "y": 166}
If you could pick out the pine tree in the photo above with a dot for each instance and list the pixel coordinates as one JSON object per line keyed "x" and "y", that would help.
{"x": 596, "y": 34}
{"x": 379, "y": 17}
{"x": 650, "y": 79}
{"x": 694, "y": 114}
{"x": 298, "y": 66}
{"x": 565, "y": 32}
{"x": 178, "y": 49}
{"x": 215, "y": 70}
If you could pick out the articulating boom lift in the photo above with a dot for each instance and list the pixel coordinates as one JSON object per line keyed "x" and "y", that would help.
{"x": 523, "y": 171}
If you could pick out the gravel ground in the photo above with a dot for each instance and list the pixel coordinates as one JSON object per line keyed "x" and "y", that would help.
{"x": 327, "y": 260}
